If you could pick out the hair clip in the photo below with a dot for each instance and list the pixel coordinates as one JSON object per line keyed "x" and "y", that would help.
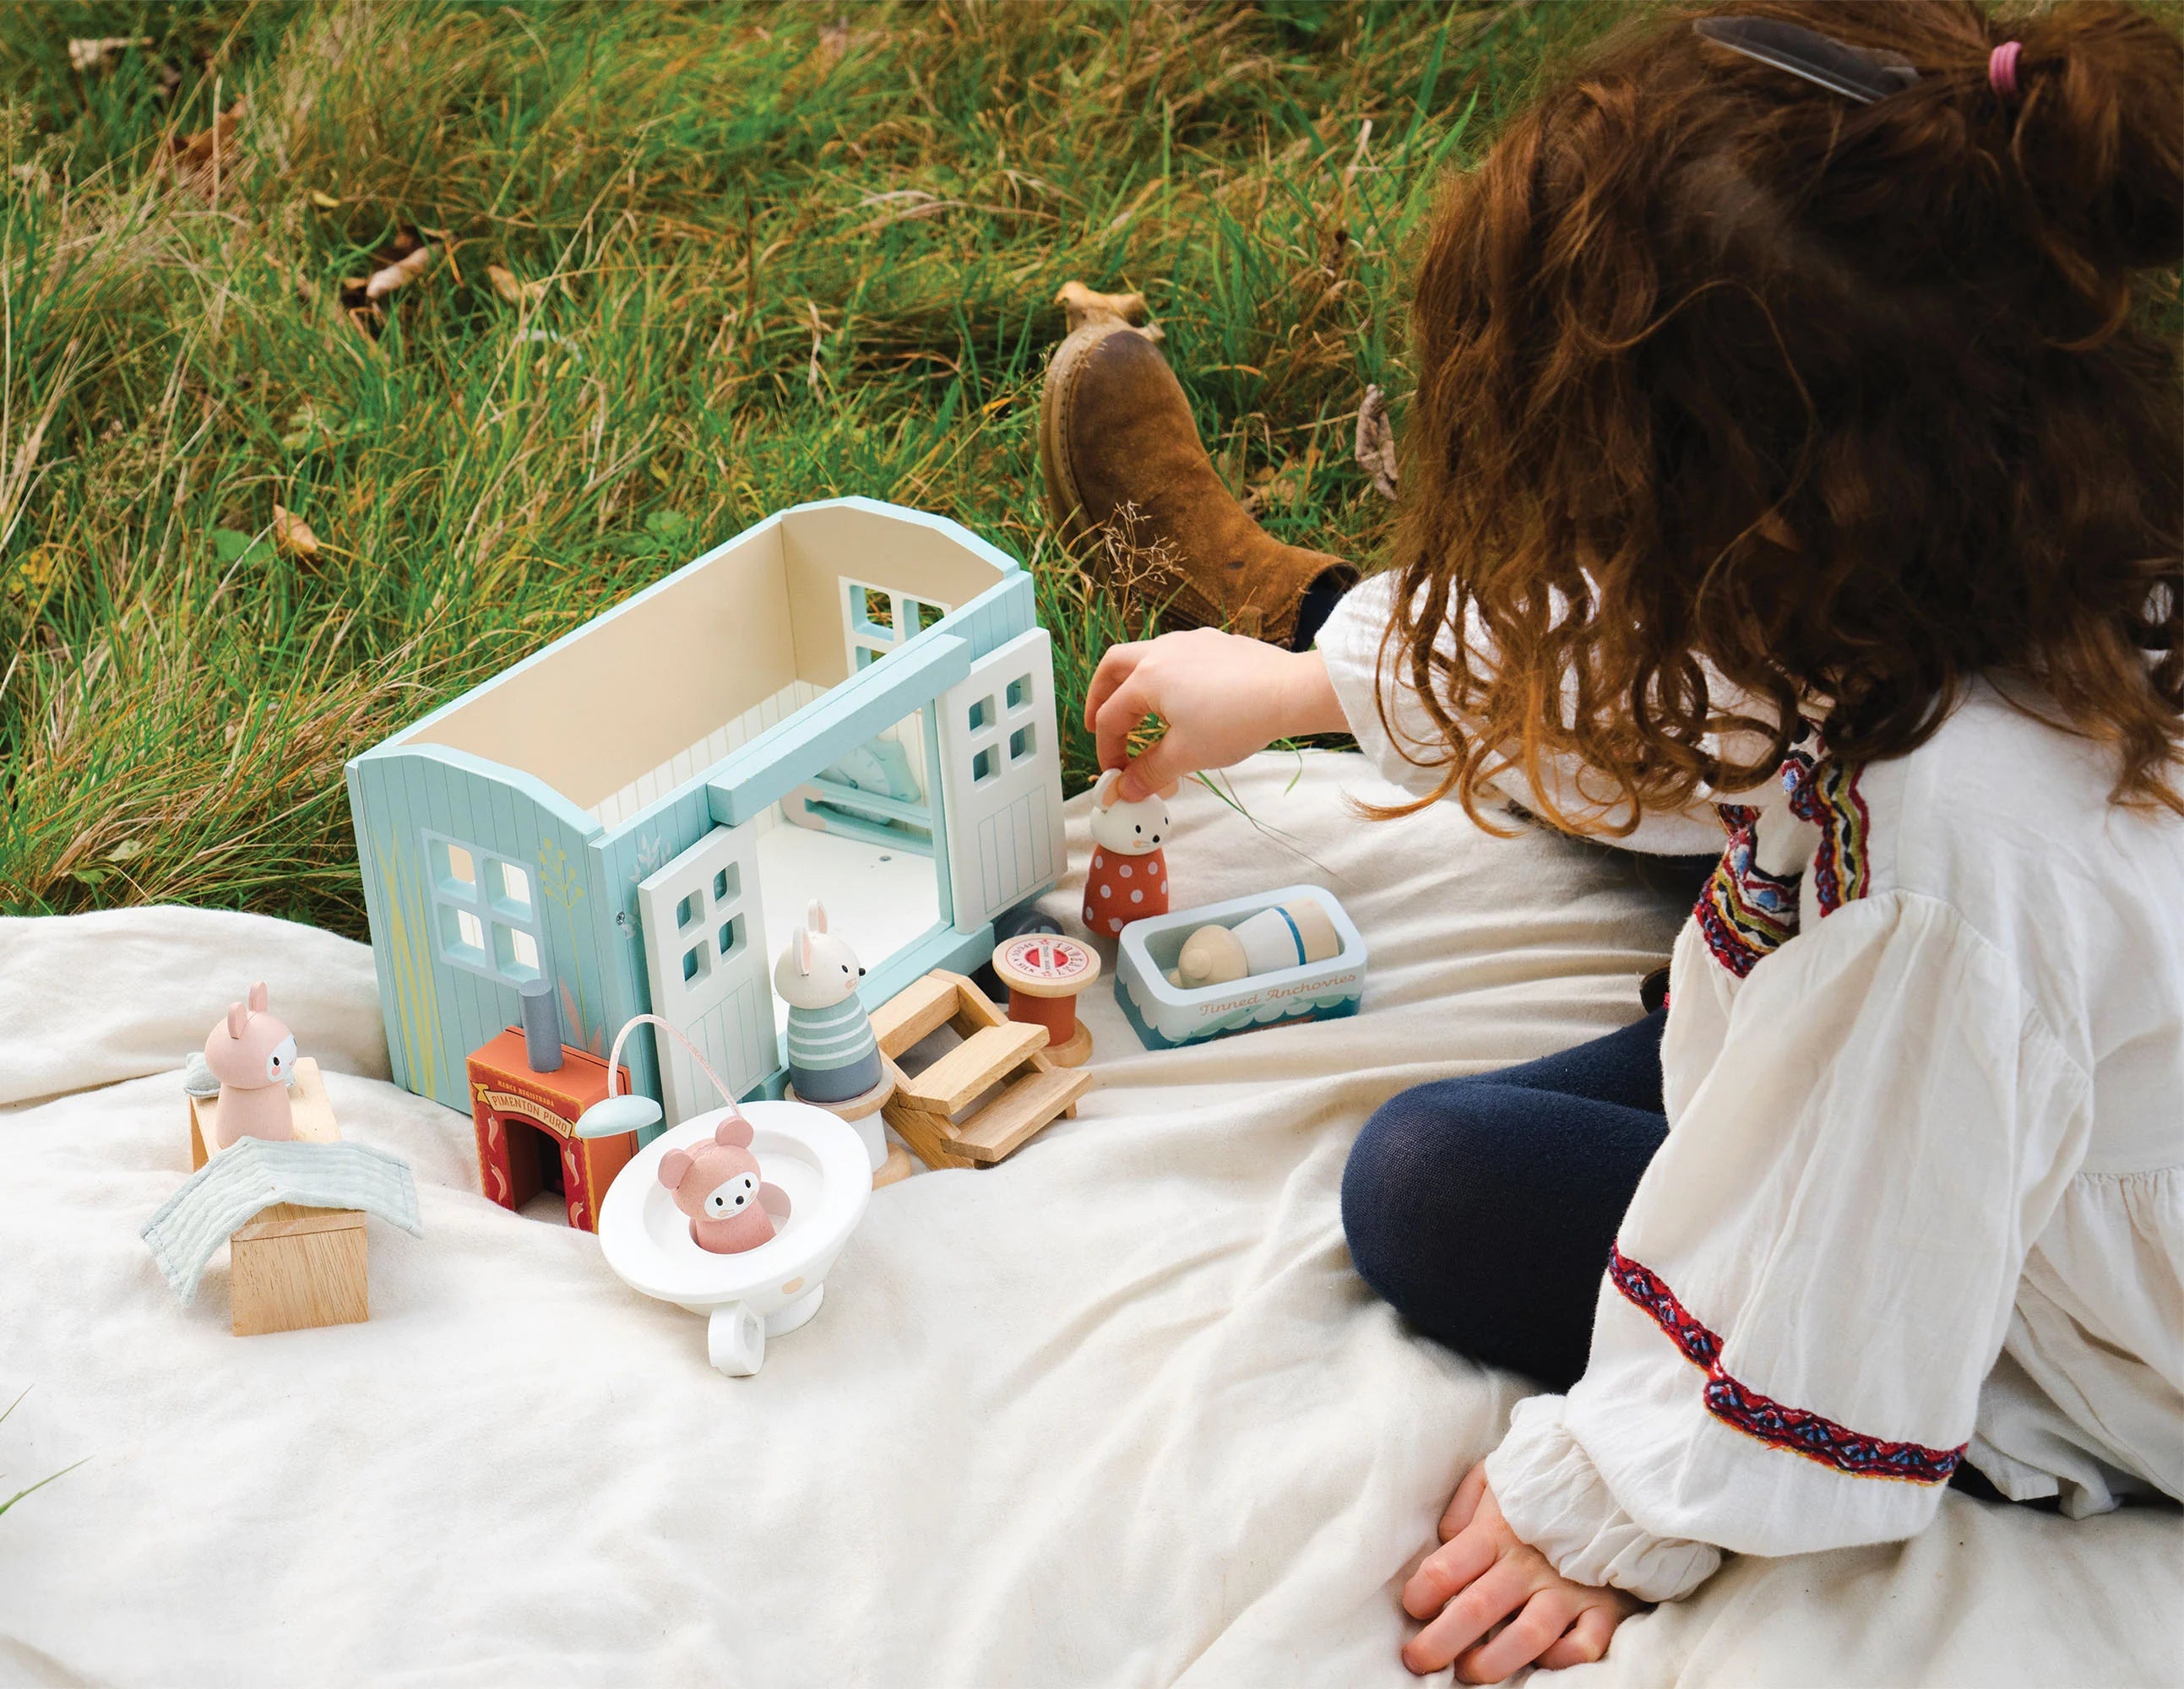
{"x": 1853, "y": 72}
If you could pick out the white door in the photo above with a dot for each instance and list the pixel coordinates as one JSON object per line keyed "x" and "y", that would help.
{"x": 706, "y": 958}
{"x": 1001, "y": 776}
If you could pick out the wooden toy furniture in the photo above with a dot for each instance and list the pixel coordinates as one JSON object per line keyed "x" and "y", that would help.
{"x": 1326, "y": 984}
{"x": 1045, "y": 973}
{"x": 292, "y": 1266}
{"x": 849, "y": 700}
{"x": 977, "y": 1103}
{"x": 526, "y": 1126}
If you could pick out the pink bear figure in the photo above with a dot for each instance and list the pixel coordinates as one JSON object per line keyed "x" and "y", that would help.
{"x": 1128, "y": 880}
{"x": 252, "y": 1054}
{"x": 717, "y": 1185}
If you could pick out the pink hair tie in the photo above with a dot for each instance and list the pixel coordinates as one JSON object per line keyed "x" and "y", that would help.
{"x": 2001, "y": 69}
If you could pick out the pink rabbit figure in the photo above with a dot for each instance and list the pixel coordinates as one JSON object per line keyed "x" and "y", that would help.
{"x": 252, "y": 1054}
{"x": 717, "y": 1185}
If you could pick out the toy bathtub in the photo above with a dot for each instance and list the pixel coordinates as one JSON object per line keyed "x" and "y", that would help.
{"x": 1165, "y": 1016}
{"x": 765, "y": 1292}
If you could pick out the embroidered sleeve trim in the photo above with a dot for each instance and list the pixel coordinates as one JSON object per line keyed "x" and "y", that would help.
{"x": 1826, "y": 794}
{"x": 1745, "y": 912}
{"x": 1759, "y": 1416}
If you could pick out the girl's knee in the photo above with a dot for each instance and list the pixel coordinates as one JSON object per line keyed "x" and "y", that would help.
{"x": 1407, "y": 1189}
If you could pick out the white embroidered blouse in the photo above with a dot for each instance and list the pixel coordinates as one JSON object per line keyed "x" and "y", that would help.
{"x": 1920, "y": 1199}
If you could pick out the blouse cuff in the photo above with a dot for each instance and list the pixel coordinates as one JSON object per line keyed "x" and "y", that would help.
{"x": 1555, "y": 1499}
{"x": 1349, "y": 643}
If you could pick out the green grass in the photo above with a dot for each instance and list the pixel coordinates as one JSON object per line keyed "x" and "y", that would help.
{"x": 777, "y": 272}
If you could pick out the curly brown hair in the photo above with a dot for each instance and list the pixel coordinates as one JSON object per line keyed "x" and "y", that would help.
{"x": 1725, "y": 378}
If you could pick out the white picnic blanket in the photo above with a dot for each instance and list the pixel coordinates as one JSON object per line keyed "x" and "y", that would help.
{"x": 1117, "y": 1413}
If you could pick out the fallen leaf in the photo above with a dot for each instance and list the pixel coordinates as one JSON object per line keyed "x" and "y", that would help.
{"x": 230, "y": 546}
{"x": 513, "y": 291}
{"x": 96, "y": 53}
{"x": 324, "y": 201}
{"x": 311, "y": 427}
{"x": 292, "y": 534}
{"x": 34, "y": 573}
{"x": 399, "y": 274}
{"x": 198, "y": 161}
{"x": 1082, "y": 304}
{"x": 1270, "y": 486}
{"x": 833, "y": 42}
{"x": 1376, "y": 443}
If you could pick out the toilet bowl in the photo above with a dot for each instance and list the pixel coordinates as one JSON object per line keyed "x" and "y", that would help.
{"x": 768, "y": 1291}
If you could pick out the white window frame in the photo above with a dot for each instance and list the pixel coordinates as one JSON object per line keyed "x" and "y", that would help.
{"x": 867, "y": 639}
{"x": 500, "y": 918}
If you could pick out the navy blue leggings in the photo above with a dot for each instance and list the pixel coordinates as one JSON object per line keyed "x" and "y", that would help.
{"x": 1483, "y": 1207}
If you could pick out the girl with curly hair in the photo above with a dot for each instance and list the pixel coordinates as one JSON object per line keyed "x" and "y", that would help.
{"x": 1791, "y": 475}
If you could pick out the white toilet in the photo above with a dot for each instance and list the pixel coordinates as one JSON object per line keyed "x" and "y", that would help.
{"x": 818, "y": 1161}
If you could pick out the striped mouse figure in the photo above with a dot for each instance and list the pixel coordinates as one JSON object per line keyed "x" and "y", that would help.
{"x": 1129, "y": 877}
{"x": 833, "y": 1053}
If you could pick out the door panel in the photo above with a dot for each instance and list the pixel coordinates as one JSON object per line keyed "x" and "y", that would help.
{"x": 706, "y": 960}
{"x": 1000, "y": 772}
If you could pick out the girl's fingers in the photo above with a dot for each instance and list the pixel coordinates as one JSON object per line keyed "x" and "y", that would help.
{"x": 1545, "y": 1617}
{"x": 1464, "y": 1502}
{"x": 1118, "y": 715}
{"x": 1445, "y": 1571}
{"x": 1116, "y": 666}
{"x": 1483, "y": 1604}
{"x": 1161, "y": 761}
{"x": 1586, "y": 1639}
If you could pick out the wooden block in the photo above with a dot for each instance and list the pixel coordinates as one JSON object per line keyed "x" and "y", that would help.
{"x": 1031, "y": 1102}
{"x": 310, "y": 1111}
{"x": 917, "y": 1009}
{"x": 294, "y": 1267}
{"x": 980, "y": 1061}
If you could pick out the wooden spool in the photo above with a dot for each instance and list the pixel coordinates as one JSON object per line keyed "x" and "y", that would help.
{"x": 1045, "y": 972}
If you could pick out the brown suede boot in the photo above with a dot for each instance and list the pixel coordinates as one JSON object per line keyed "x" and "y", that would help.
{"x": 1121, "y": 460}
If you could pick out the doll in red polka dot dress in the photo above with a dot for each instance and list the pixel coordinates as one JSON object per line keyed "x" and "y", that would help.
{"x": 1129, "y": 877}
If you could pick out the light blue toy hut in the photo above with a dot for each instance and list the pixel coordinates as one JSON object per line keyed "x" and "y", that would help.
{"x": 851, "y": 701}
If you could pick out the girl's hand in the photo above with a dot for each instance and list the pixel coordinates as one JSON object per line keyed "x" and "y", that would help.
{"x": 1482, "y": 1573}
{"x": 1223, "y": 697}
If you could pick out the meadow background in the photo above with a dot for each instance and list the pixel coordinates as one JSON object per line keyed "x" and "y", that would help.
{"x": 750, "y": 255}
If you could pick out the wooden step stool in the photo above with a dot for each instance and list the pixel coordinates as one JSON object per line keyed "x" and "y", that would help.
{"x": 292, "y": 1266}
{"x": 928, "y": 1107}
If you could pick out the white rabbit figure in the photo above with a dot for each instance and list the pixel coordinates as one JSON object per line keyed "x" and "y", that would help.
{"x": 1128, "y": 880}
{"x": 833, "y": 1053}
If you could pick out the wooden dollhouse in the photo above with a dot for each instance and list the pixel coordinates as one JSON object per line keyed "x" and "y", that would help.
{"x": 851, "y": 701}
